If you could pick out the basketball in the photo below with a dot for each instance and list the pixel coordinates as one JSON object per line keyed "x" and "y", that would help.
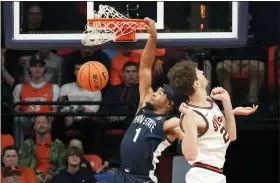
{"x": 93, "y": 76}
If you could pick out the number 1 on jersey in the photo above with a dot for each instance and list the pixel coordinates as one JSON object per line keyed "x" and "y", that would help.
{"x": 137, "y": 134}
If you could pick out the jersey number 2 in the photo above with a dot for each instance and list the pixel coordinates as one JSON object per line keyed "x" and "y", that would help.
{"x": 137, "y": 134}
{"x": 223, "y": 131}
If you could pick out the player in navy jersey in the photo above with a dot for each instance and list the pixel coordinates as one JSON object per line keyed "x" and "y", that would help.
{"x": 153, "y": 129}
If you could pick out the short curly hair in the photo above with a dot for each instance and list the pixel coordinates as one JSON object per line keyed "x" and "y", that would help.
{"x": 182, "y": 77}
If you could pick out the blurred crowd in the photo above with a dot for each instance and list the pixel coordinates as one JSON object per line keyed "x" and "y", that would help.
{"x": 53, "y": 148}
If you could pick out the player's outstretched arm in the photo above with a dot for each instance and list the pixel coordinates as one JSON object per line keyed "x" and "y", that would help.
{"x": 146, "y": 63}
{"x": 189, "y": 125}
{"x": 245, "y": 111}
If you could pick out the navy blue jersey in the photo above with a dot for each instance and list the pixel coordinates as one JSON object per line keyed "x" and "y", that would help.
{"x": 143, "y": 143}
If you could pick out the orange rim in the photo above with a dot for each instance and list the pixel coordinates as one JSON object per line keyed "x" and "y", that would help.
{"x": 119, "y": 20}
{"x": 138, "y": 25}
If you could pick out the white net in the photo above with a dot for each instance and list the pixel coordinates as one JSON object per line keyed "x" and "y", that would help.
{"x": 101, "y": 31}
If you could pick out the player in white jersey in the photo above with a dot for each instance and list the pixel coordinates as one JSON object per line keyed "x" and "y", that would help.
{"x": 207, "y": 131}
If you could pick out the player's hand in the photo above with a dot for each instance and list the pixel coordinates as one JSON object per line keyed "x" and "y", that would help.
{"x": 219, "y": 93}
{"x": 183, "y": 108}
{"x": 245, "y": 111}
{"x": 178, "y": 131}
{"x": 151, "y": 28}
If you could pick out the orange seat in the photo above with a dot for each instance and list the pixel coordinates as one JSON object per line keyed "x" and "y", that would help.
{"x": 6, "y": 140}
{"x": 94, "y": 160}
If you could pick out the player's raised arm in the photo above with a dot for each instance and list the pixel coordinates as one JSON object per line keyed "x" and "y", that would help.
{"x": 221, "y": 94}
{"x": 146, "y": 63}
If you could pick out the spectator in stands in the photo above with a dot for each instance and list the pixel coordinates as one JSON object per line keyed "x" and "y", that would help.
{"x": 42, "y": 153}
{"x": 11, "y": 175}
{"x": 171, "y": 57}
{"x": 36, "y": 90}
{"x": 73, "y": 92}
{"x": 35, "y": 17}
{"x": 73, "y": 161}
{"x": 78, "y": 143}
{"x": 10, "y": 72}
{"x": 128, "y": 92}
{"x": 9, "y": 77}
{"x": 81, "y": 56}
{"x": 10, "y": 159}
{"x": 118, "y": 62}
{"x": 254, "y": 69}
{"x": 53, "y": 67}
{"x": 86, "y": 164}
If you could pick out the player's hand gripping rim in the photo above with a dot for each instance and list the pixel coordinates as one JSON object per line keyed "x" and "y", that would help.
{"x": 151, "y": 27}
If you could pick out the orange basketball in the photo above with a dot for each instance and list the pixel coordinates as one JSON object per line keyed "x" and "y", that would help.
{"x": 93, "y": 76}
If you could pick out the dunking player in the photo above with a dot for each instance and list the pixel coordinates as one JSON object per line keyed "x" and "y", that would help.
{"x": 207, "y": 132}
{"x": 153, "y": 128}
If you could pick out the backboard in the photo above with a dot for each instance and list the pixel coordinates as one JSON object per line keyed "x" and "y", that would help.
{"x": 191, "y": 24}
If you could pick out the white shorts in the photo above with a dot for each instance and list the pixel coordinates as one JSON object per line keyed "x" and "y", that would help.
{"x": 201, "y": 175}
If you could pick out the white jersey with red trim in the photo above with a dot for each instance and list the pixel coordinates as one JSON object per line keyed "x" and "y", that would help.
{"x": 213, "y": 143}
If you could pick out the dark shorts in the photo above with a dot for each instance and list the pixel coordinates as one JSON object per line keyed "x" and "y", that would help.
{"x": 124, "y": 177}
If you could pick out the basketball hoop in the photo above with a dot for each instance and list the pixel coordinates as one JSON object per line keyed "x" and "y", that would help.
{"x": 109, "y": 25}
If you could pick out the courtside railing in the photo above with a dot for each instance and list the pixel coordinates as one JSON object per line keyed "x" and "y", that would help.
{"x": 68, "y": 103}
